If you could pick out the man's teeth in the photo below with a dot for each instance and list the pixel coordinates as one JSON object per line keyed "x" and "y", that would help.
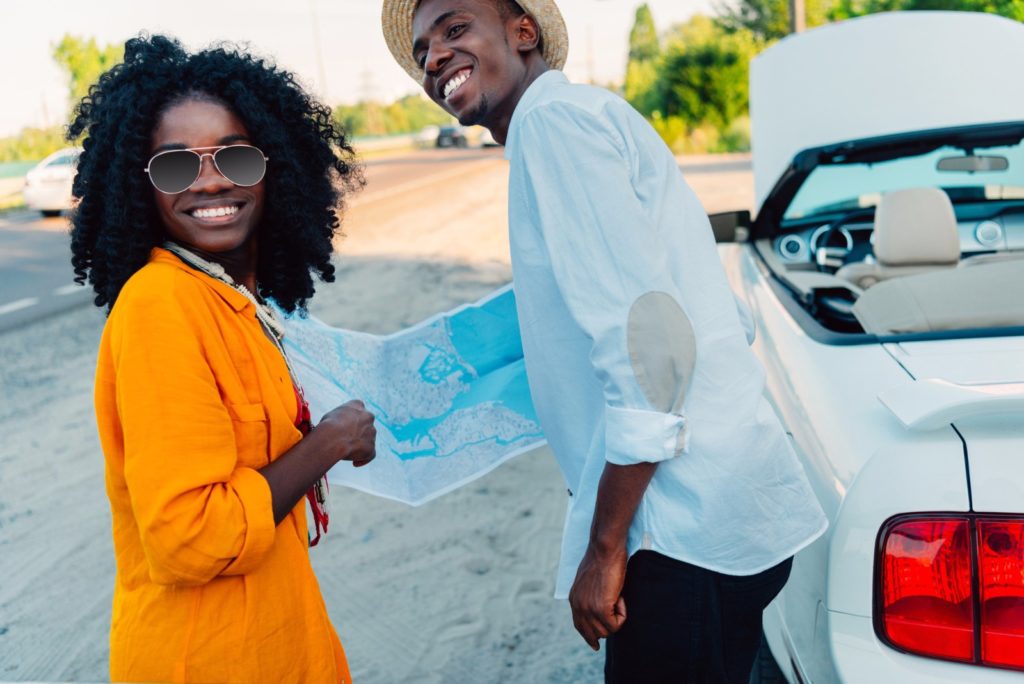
{"x": 214, "y": 212}
{"x": 453, "y": 85}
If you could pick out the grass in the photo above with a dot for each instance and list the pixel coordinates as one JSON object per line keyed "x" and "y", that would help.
{"x": 11, "y": 203}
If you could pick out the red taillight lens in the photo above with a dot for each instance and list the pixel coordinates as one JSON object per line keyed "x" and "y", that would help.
{"x": 926, "y": 596}
{"x": 1001, "y": 582}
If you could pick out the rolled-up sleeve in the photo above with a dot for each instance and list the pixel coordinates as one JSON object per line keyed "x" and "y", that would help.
{"x": 199, "y": 513}
{"x": 612, "y": 271}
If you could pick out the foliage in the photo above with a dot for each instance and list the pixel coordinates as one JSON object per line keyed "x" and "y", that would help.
{"x": 768, "y": 20}
{"x": 83, "y": 60}
{"x": 845, "y": 9}
{"x": 697, "y": 87}
{"x": 32, "y": 144}
{"x": 405, "y": 115}
{"x": 703, "y": 75}
{"x": 643, "y": 38}
{"x": 640, "y": 87}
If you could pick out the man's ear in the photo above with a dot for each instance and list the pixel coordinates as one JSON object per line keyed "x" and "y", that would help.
{"x": 525, "y": 33}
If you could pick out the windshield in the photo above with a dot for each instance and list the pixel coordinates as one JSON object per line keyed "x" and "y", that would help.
{"x": 841, "y": 187}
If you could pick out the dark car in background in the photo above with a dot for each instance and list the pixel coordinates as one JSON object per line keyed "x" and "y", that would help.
{"x": 452, "y": 136}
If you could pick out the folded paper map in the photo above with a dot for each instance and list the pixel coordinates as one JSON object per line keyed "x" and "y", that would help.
{"x": 450, "y": 395}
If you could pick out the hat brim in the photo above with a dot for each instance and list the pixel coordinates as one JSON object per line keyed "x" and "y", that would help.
{"x": 396, "y": 20}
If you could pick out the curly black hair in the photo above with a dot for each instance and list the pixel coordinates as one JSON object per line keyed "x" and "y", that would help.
{"x": 115, "y": 224}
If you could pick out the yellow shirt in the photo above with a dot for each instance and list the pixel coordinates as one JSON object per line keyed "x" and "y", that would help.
{"x": 191, "y": 399}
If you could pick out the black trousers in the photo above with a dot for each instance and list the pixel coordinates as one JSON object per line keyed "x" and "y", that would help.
{"x": 688, "y": 624}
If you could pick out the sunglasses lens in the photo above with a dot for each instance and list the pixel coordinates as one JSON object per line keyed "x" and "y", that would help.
{"x": 241, "y": 164}
{"x": 174, "y": 172}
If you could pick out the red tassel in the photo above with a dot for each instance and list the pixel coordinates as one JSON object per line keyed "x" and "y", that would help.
{"x": 317, "y": 499}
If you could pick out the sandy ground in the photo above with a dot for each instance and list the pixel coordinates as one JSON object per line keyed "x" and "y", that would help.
{"x": 458, "y": 590}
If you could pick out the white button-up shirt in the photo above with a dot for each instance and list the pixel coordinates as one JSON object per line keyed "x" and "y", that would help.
{"x": 635, "y": 347}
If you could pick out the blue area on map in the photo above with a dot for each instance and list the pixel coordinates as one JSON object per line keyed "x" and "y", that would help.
{"x": 489, "y": 359}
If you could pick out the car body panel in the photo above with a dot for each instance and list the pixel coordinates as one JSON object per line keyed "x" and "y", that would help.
{"x": 964, "y": 361}
{"x": 48, "y": 183}
{"x": 996, "y": 455}
{"x": 856, "y": 454}
{"x": 50, "y": 195}
{"x": 860, "y": 657}
{"x": 957, "y": 381}
{"x": 995, "y": 449}
{"x": 878, "y": 75}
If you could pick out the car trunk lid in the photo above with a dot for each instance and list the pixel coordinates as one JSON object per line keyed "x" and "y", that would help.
{"x": 989, "y": 416}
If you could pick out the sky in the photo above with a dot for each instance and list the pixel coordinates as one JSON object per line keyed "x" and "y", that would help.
{"x": 335, "y": 46}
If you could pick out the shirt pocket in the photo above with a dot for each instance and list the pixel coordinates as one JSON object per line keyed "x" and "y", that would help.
{"x": 249, "y": 422}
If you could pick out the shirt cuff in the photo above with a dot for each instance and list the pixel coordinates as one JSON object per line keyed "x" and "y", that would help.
{"x": 253, "y": 492}
{"x": 633, "y": 436}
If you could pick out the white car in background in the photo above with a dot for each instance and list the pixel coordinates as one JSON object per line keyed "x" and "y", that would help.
{"x": 885, "y": 271}
{"x": 427, "y": 137}
{"x": 48, "y": 184}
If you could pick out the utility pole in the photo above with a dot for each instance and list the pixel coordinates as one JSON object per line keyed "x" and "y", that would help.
{"x": 46, "y": 111}
{"x": 797, "y": 16}
{"x": 590, "y": 54}
{"x": 321, "y": 72}
{"x": 367, "y": 85}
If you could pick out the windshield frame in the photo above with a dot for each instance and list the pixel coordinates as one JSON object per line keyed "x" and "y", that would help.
{"x": 769, "y": 221}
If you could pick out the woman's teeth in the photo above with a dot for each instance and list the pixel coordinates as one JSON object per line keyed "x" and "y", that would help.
{"x": 214, "y": 212}
{"x": 453, "y": 85}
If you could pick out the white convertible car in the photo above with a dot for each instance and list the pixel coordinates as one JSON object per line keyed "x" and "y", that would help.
{"x": 885, "y": 270}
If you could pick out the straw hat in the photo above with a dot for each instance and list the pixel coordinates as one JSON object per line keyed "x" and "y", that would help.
{"x": 396, "y": 19}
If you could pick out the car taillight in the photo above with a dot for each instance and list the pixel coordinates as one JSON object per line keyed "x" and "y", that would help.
{"x": 952, "y": 587}
{"x": 926, "y": 588}
{"x": 1001, "y": 583}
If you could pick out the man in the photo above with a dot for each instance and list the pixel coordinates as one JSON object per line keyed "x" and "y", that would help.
{"x": 686, "y": 500}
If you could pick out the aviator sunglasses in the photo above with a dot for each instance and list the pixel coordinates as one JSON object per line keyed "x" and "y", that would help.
{"x": 175, "y": 171}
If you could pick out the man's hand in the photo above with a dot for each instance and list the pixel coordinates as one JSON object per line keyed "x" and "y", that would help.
{"x": 598, "y": 609}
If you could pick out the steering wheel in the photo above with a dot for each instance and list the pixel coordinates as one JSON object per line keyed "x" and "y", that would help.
{"x": 831, "y": 257}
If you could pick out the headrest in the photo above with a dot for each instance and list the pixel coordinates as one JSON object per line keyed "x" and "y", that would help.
{"x": 916, "y": 227}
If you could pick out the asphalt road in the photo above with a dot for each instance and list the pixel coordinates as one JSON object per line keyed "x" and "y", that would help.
{"x": 35, "y": 270}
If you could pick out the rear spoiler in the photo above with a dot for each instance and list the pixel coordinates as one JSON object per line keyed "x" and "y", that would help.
{"x": 933, "y": 403}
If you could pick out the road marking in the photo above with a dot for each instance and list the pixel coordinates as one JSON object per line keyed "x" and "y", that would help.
{"x": 68, "y": 289}
{"x": 18, "y": 305}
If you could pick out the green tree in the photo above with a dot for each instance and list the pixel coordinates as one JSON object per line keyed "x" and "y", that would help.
{"x": 405, "y": 115}
{"x": 1014, "y": 9}
{"x": 32, "y": 144}
{"x": 643, "y": 38}
{"x": 640, "y": 87}
{"x": 768, "y": 20}
{"x": 83, "y": 60}
{"x": 703, "y": 75}
{"x": 421, "y": 112}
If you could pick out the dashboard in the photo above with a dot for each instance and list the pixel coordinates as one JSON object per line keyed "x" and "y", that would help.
{"x": 977, "y": 235}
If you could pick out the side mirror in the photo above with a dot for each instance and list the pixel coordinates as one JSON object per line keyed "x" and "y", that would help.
{"x": 730, "y": 226}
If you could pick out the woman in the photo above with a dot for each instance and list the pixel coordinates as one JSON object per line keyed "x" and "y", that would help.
{"x": 209, "y": 182}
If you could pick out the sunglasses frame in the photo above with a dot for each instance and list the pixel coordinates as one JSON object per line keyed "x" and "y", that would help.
{"x": 213, "y": 157}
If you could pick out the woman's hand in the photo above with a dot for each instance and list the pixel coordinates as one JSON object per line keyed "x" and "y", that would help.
{"x": 343, "y": 434}
{"x": 350, "y": 434}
